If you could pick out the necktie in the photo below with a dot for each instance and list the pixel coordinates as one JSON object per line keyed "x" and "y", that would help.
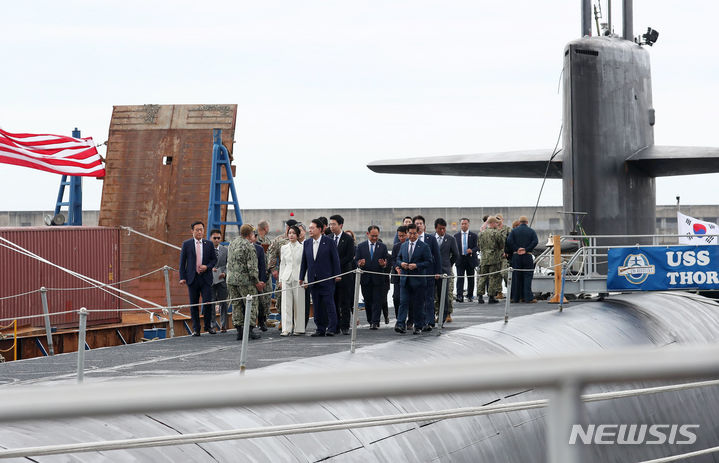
{"x": 411, "y": 249}
{"x": 337, "y": 240}
{"x": 464, "y": 243}
{"x": 198, "y": 255}
{"x": 371, "y": 251}
{"x": 217, "y": 253}
{"x": 439, "y": 240}
{"x": 315, "y": 247}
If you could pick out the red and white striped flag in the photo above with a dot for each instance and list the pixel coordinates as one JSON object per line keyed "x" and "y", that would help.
{"x": 52, "y": 153}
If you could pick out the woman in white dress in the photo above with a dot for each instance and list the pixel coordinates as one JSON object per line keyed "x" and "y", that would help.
{"x": 293, "y": 299}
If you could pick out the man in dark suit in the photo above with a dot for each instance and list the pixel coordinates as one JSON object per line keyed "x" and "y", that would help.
{"x": 344, "y": 290}
{"x": 467, "y": 262}
{"x": 414, "y": 258}
{"x": 394, "y": 278}
{"x": 320, "y": 261}
{"x": 406, "y": 221}
{"x": 262, "y": 310}
{"x": 448, "y": 254}
{"x": 372, "y": 256}
{"x": 425, "y": 319}
{"x": 197, "y": 259}
{"x": 219, "y": 285}
{"x": 520, "y": 244}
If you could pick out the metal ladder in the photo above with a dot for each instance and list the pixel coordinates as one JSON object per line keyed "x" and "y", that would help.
{"x": 74, "y": 204}
{"x": 220, "y": 164}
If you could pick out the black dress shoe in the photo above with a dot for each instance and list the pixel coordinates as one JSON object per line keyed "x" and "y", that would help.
{"x": 427, "y": 328}
{"x": 399, "y": 329}
{"x": 418, "y": 331}
{"x": 374, "y": 326}
{"x": 317, "y": 334}
{"x": 195, "y": 333}
{"x": 329, "y": 333}
{"x": 386, "y": 320}
{"x": 345, "y": 331}
{"x": 262, "y": 326}
{"x": 212, "y": 331}
{"x": 480, "y": 300}
{"x": 470, "y": 299}
{"x": 492, "y": 301}
{"x": 459, "y": 299}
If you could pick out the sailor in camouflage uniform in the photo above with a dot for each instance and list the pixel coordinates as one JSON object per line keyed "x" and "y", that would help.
{"x": 242, "y": 279}
{"x": 491, "y": 245}
{"x": 504, "y": 230}
{"x": 273, "y": 255}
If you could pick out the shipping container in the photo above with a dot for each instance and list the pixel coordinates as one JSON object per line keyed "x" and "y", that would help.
{"x": 90, "y": 251}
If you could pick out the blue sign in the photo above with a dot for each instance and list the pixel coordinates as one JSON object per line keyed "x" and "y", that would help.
{"x": 662, "y": 268}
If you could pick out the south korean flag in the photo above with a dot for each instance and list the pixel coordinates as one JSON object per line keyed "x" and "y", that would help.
{"x": 696, "y": 232}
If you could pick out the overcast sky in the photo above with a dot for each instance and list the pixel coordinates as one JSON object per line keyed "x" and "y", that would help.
{"x": 324, "y": 88}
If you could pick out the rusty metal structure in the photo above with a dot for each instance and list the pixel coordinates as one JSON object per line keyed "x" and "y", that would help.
{"x": 90, "y": 251}
{"x": 159, "y": 166}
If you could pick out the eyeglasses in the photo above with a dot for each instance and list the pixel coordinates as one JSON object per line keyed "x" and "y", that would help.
{"x": 216, "y": 238}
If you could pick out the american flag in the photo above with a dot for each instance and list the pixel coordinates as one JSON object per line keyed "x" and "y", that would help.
{"x": 52, "y": 153}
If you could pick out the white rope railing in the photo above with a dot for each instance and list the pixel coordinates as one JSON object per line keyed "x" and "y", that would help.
{"x": 110, "y": 284}
{"x": 132, "y": 230}
{"x": 19, "y": 295}
{"x": 175, "y": 308}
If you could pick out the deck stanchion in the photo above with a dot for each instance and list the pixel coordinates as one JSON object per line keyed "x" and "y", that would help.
{"x": 561, "y": 292}
{"x": 81, "y": 345}
{"x": 245, "y": 334}
{"x": 48, "y": 327}
{"x": 170, "y": 320}
{"x": 509, "y": 294}
{"x": 442, "y": 303}
{"x": 355, "y": 311}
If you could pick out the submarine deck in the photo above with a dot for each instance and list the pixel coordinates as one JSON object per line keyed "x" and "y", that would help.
{"x": 220, "y": 353}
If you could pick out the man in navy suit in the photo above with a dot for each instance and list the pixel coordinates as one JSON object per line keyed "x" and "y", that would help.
{"x": 394, "y": 278}
{"x": 448, "y": 254}
{"x": 197, "y": 259}
{"x": 372, "y": 256}
{"x": 425, "y": 319}
{"x": 406, "y": 221}
{"x": 262, "y": 311}
{"x": 320, "y": 261}
{"x": 467, "y": 262}
{"x": 520, "y": 244}
{"x": 344, "y": 291}
{"x": 414, "y": 258}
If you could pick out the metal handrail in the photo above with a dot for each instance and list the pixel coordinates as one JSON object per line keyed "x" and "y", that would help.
{"x": 589, "y": 251}
{"x": 581, "y": 237}
{"x": 566, "y": 375}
